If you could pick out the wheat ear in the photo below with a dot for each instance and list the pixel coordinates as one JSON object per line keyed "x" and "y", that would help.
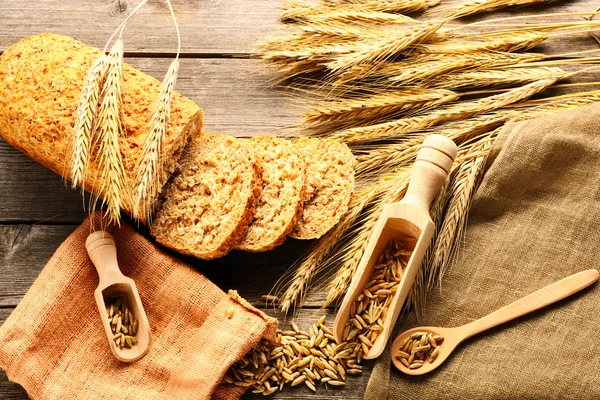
{"x": 108, "y": 130}
{"x": 450, "y": 113}
{"x": 422, "y": 68}
{"x": 478, "y": 6}
{"x": 83, "y": 128}
{"x": 493, "y": 78}
{"x": 454, "y": 222}
{"x": 377, "y": 106}
{"x": 353, "y": 16}
{"x": 383, "y": 49}
{"x": 149, "y": 170}
{"x": 509, "y": 42}
{"x": 300, "y": 11}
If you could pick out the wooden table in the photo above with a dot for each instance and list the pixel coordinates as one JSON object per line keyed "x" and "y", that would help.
{"x": 37, "y": 210}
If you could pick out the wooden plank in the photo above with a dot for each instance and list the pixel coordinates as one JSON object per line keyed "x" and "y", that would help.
{"x": 25, "y": 249}
{"x": 354, "y": 389}
{"x": 208, "y": 27}
{"x": 236, "y": 100}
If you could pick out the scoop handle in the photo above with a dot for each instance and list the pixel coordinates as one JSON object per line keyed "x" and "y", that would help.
{"x": 536, "y": 300}
{"x": 102, "y": 250}
{"x": 430, "y": 171}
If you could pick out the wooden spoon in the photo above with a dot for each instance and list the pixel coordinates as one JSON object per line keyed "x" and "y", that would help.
{"x": 408, "y": 218}
{"x": 454, "y": 336}
{"x": 103, "y": 253}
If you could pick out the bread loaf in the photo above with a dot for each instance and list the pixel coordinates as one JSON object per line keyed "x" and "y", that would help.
{"x": 280, "y": 203}
{"x": 40, "y": 82}
{"x": 210, "y": 201}
{"x": 329, "y": 186}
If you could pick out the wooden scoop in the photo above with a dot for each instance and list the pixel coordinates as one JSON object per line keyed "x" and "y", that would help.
{"x": 408, "y": 218}
{"x": 454, "y": 336}
{"x": 103, "y": 253}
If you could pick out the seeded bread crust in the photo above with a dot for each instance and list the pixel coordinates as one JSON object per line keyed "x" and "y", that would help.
{"x": 210, "y": 201}
{"x": 280, "y": 203}
{"x": 329, "y": 186}
{"x": 40, "y": 82}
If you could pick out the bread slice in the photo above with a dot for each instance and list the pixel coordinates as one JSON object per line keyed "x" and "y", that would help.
{"x": 210, "y": 201}
{"x": 280, "y": 203}
{"x": 329, "y": 186}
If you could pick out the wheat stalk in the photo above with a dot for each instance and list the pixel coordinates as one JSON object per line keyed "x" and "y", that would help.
{"x": 352, "y": 16}
{"x": 108, "y": 131}
{"x": 149, "y": 169}
{"x": 470, "y": 7}
{"x": 437, "y": 216}
{"x": 306, "y": 269}
{"x": 383, "y": 49}
{"x": 349, "y": 255}
{"x": 449, "y": 113}
{"x": 506, "y": 42}
{"x": 83, "y": 128}
{"x": 424, "y": 67}
{"x": 299, "y": 11}
{"x": 454, "y": 222}
{"x": 373, "y": 107}
{"x": 491, "y": 78}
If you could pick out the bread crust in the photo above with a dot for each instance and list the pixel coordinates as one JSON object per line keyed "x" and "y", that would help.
{"x": 216, "y": 174}
{"x": 40, "y": 82}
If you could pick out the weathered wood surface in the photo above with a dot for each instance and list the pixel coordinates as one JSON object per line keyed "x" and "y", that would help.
{"x": 210, "y": 28}
{"x": 218, "y": 35}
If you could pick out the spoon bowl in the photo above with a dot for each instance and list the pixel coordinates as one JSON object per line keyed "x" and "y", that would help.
{"x": 454, "y": 336}
{"x": 101, "y": 248}
{"x": 447, "y": 346}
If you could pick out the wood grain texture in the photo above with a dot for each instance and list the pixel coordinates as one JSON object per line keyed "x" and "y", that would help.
{"x": 355, "y": 385}
{"x": 207, "y": 26}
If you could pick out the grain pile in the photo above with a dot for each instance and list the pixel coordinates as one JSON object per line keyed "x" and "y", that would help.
{"x": 419, "y": 348}
{"x": 302, "y": 357}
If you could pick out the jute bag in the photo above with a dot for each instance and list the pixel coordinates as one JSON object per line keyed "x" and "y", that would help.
{"x": 535, "y": 219}
{"x": 53, "y": 343}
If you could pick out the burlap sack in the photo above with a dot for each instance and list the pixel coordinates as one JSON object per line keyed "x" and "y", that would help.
{"x": 535, "y": 220}
{"x": 53, "y": 343}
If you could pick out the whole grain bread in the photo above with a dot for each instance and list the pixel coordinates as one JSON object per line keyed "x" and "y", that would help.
{"x": 280, "y": 203}
{"x": 211, "y": 198}
{"x": 40, "y": 82}
{"x": 329, "y": 186}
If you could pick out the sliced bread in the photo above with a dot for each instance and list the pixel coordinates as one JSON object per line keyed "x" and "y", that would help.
{"x": 280, "y": 203}
{"x": 210, "y": 201}
{"x": 328, "y": 188}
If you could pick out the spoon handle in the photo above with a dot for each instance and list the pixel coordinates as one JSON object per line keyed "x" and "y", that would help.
{"x": 540, "y": 299}
{"x": 101, "y": 248}
{"x": 430, "y": 171}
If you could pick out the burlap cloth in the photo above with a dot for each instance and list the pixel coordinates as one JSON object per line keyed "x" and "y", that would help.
{"x": 53, "y": 343}
{"x": 535, "y": 219}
